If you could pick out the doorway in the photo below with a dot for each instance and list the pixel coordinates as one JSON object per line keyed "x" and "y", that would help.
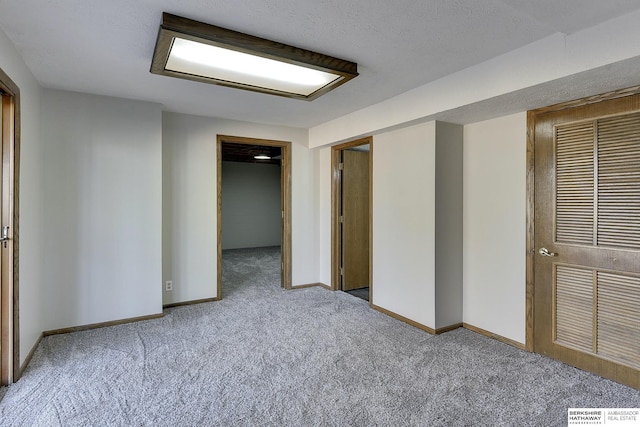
{"x": 10, "y": 139}
{"x": 584, "y": 248}
{"x": 351, "y": 198}
{"x": 258, "y": 152}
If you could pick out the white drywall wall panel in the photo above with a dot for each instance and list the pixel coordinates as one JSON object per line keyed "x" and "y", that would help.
{"x": 494, "y": 224}
{"x": 103, "y": 207}
{"x": 404, "y": 222}
{"x": 251, "y": 205}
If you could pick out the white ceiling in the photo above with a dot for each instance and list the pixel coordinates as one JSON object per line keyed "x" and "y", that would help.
{"x": 105, "y": 47}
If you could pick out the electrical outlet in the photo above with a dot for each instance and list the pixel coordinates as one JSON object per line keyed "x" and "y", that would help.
{"x": 168, "y": 286}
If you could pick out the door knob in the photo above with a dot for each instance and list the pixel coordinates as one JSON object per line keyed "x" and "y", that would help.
{"x": 5, "y": 235}
{"x": 545, "y": 252}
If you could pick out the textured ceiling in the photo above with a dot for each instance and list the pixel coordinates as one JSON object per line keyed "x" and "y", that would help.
{"x": 105, "y": 47}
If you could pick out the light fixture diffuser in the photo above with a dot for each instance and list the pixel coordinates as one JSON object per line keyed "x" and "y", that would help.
{"x": 196, "y": 51}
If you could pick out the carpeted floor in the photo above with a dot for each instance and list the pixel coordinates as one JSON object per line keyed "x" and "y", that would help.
{"x": 264, "y": 356}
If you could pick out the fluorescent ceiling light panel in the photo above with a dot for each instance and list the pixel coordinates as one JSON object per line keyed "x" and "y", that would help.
{"x": 196, "y": 51}
{"x": 218, "y": 63}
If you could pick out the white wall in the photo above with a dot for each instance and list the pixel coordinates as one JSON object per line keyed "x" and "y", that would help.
{"x": 31, "y": 271}
{"x": 189, "y": 208}
{"x": 448, "y": 205}
{"x": 251, "y": 205}
{"x": 102, "y": 208}
{"x": 404, "y": 222}
{"x": 494, "y": 225}
{"x": 189, "y": 212}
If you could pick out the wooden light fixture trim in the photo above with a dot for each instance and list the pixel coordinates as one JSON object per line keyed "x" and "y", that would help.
{"x": 178, "y": 27}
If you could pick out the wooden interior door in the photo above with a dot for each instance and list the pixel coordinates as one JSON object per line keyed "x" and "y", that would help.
{"x": 587, "y": 237}
{"x": 7, "y": 356}
{"x": 355, "y": 219}
{"x": 4, "y": 309}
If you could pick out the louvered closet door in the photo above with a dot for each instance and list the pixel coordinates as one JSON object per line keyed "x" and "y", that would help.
{"x": 587, "y": 192}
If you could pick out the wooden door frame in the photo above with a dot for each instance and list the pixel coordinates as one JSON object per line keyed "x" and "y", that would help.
{"x": 336, "y": 196}
{"x": 530, "y": 203}
{"x": 9, "y": 296}
{"x": 285, "y": 182}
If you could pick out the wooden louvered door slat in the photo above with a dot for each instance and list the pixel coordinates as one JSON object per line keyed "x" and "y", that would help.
{"x": 574, "y": 185}
{"x": 619, "y": 181}
{"x": 574, "y": 307}
{"x": 619, "y": 318}
{"x": 587, "y": 213}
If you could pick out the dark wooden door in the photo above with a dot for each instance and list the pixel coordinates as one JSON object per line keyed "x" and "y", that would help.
{"x": 587, "y": 237}
{"x": 355, "y": 224}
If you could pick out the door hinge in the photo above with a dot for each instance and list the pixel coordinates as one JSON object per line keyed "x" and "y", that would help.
{"x": 282, "y": 214}
{"x": 340, "y": 166}
{"x": 341, "y": 218}
{"x": 341, "y": 271}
